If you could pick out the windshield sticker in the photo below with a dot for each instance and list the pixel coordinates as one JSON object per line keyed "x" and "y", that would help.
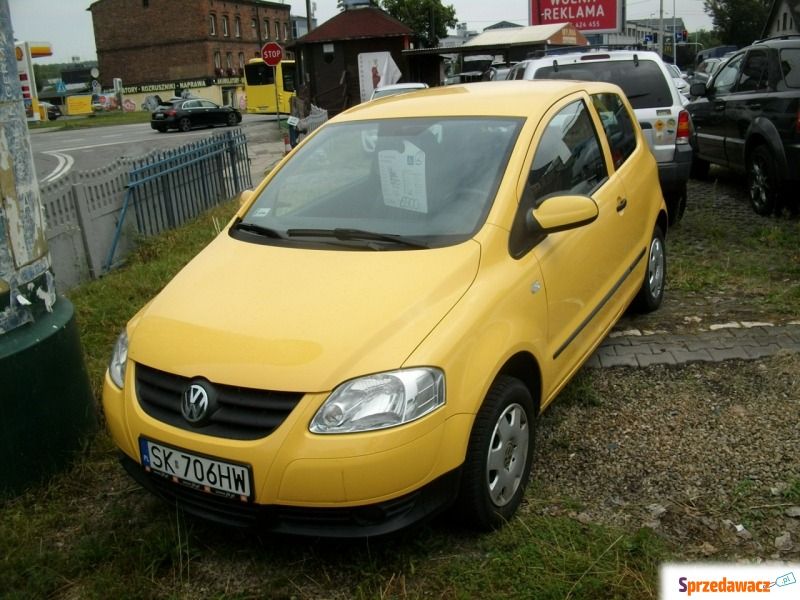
{"x": 403, "y": 178}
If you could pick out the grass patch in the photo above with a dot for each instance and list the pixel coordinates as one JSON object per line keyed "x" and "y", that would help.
{"x": 711, "y": 253}
{"x": 98, "y": 119}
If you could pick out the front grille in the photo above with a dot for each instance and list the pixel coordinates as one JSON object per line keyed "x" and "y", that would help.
{"x": 243, "y": 413}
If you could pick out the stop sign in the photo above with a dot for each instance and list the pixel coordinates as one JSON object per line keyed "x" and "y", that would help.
{"x": 272, "y": 53}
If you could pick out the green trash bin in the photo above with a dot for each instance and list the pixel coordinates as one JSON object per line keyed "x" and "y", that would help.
{"x": 47, "y": 408}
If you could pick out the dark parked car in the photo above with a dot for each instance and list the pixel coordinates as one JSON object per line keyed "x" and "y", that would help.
{"x": 705, "y": 70}
{"x": 53, "y": 112}
{"x": 188, "y": 113}
{"x": 748, "y": 119}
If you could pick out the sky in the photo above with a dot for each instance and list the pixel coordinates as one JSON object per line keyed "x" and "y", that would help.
{"x": 67, "y": 25}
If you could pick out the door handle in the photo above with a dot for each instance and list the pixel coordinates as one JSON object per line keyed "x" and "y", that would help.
{"x": 623, "y": 202}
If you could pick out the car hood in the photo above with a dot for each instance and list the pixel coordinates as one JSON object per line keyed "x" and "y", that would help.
{"x": 296, "y": 319}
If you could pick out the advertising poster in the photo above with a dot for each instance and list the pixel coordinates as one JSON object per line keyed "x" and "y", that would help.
{"x": 375, "y": 69}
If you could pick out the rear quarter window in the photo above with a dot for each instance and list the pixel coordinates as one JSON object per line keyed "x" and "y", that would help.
{"x": 790, "y": 65}
{"x": 645, "y": 85}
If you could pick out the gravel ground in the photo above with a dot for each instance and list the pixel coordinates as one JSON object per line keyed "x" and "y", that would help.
{"x": 704, "y": 454}
{"x": 704, "y": 450}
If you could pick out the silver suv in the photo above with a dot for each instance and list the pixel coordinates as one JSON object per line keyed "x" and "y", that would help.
{"x": 658, "y": 106}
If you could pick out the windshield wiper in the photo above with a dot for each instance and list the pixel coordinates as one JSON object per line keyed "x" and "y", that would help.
{"x": 259, "y": 229}
{"x": 346, "y": 234}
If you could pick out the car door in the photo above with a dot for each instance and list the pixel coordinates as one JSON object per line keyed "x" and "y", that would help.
{"x": 212, "y": 113}
{"x": 191, "y": 109}
{"x": 708, "y": 113}
{"x": 745, "y": 104}
{"x": 578, "y": 267}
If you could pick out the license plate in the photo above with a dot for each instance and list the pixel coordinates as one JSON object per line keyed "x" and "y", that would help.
{"x": 202, "y": 473}
{"x": 158, "y": 116}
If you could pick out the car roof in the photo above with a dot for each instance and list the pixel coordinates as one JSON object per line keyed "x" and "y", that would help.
{"x": 598, "y": 54}
{"x": 485, "y": 98}
{"x": 400, "y": 86}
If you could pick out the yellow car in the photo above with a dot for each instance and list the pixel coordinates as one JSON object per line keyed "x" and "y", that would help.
{"x": 370, "y": 339}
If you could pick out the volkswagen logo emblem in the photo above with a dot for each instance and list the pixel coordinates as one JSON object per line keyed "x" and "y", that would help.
{"x": 195, "y": 403}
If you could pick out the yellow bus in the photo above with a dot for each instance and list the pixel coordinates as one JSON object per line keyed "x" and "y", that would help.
{"x": 259, "y": 86}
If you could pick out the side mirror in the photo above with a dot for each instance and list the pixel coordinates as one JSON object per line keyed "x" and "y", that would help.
{"x": 698, "y": 89}
{"x": 561, "y": 213}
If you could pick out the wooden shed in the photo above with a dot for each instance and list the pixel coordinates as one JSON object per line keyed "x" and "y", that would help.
{"x": 331, "y": 57}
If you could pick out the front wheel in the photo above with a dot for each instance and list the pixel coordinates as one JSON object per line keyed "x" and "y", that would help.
{"x": 232, "y": 120}
{"x": 499, "y": 456}
{"x": 652, "y": 291}
{"x": 762, "y": 181}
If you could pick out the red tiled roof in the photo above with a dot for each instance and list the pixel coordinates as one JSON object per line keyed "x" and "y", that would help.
{"x": 355, "y": 23}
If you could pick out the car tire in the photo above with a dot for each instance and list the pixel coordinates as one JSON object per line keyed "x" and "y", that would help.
{"x": 699, "y": 168}
{"x": 676, "y": 204}
{"x": 655, "y": 276}
{"x": 762, "y": 181}
{"x": 499, "y": 456}
{"x": 185, "y": 124}
{"x": 232, "y": 120}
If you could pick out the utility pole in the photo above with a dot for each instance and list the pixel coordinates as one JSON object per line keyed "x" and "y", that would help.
{"x": 46, "y": 402}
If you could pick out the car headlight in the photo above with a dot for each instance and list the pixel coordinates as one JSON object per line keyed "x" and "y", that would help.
{"x": 380, "y": 401}
{"x": 119, "y": 358}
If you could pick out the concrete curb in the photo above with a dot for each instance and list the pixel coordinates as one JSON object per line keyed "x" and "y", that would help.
{"x": 727, "y": 341}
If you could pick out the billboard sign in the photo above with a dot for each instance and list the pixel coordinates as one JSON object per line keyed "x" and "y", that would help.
{"x": 588, "y": 16}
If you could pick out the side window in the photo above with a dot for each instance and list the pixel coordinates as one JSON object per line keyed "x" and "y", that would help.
{"x": 726, "y": 78}
{"x": 618, "y": 126}
{"x": 754, "y": 75}
{"x": 790, "y": 66}
{"x": 569, "y": 159}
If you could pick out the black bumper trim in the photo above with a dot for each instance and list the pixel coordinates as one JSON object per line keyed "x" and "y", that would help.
{"x": 348, "y": 522}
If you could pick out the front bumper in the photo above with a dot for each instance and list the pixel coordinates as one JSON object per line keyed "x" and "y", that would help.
{"x": 346, "y": 522}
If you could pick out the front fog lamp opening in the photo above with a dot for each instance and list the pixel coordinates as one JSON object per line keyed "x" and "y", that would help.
{"x": 380, "y": 401}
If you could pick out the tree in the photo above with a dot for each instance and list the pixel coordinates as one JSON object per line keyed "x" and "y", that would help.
{"x": 738, "y": 22}
{"x": 417, "y": 15}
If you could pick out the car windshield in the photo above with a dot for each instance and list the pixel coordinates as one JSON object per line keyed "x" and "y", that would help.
{"x": 389, "y": 184}
{"x": 641, "y": 80}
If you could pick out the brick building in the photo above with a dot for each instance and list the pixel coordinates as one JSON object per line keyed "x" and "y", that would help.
{"x": 167, "y": 46}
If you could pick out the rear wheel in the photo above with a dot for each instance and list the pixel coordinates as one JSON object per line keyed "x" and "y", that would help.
{"x": 762, "y": 181}
{"x": 676, "y": 204}
{"x": 499, "y": 456}
{"x": 652, "y": 291}
{"x": 185, "y": 124}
